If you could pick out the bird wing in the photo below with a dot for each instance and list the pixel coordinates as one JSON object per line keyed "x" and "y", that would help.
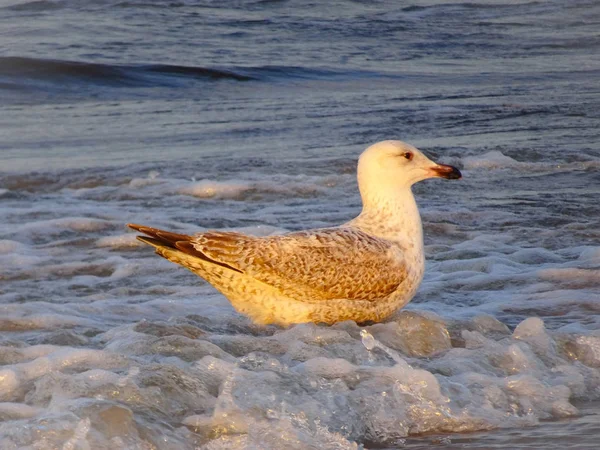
{"x": 334, "y": 263}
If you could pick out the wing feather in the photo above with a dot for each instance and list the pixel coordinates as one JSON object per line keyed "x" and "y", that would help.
{"x": 312, "y": 265}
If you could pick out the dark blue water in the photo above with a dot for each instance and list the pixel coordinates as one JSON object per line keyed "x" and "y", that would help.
{"x": 250, "y": 116}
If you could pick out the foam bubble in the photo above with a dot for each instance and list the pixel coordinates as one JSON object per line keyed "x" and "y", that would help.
{"x": 490, "y": 160}
{"x": 41, "y": 321}
{"x": 210, "y": 189}
{"x": 590, "y": 254}
{"x": 572, "y": 277}
{"x": 79, "y": 435}
{"x": 326, "y": 367}
{"x": 9, "y": 382}
{"x": 415, "y": 334}
{"x": 78, "y": 224}
{"x": 7, "y": 246}
{"x": 532, "y": 330}
{"x": 17, "y": 411}
{"x": 151, "y": 180}
{"x": 119, "y": 241}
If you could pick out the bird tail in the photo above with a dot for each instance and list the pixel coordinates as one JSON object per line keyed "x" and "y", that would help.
{"x": 160, "y": 238}
{"x": 177, "y": 248}
{"x": 172, "y": 246}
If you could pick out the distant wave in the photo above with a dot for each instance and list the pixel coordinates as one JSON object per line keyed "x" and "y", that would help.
{"x": 49, "y": 5}
{"x": 309, "y": 73}
{"x": 36, "y": 5}
{"x": 16, "y": 71}
{"x": 465, "y": 5}
{"x": 48, "y": 70}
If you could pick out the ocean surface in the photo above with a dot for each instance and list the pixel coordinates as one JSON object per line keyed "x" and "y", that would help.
{"x": 250, "y": 115}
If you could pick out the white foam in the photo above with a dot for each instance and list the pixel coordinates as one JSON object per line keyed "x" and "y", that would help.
{"x": 572, "y": 277}
{"x": 326, "y": 367}
{"x": 78, "y": 440}
{"x": 13, "y": 376}
{"x": 301, "y": 185}
{"x": 43, "y": 321}
{"x": 532, "y": 330}
{"x": 210, "y": 189}
{"x": 17, "y": 411}
{"x": 9, "y": 382}
{"x": 79, "y": 224}
{"x": 492, "y": 382}
{"x": 7, "y": 246}
{"x": 119, "y": 241}
{"x": 590, "y": 255}
{"x": 151, "y": 180}
{"x": 490, "y": 160}
{"x": 37, "y": 351}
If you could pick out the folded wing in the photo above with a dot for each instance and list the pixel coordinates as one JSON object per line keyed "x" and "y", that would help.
{"x": 334, "y": 263}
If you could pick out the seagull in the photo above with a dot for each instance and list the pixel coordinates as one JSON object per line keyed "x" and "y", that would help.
{"x": 363, "y": 270}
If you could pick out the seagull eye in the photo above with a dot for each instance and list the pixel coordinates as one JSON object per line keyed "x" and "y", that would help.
{"x": 408, "y": 155}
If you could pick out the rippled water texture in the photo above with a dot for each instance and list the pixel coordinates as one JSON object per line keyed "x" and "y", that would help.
{"x": 193, "y": 115}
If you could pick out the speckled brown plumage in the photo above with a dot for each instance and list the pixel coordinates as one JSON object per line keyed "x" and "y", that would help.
{"x": 312, "y": 266}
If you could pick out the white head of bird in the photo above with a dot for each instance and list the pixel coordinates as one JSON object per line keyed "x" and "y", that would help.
{"x": 386, "y": 172}
{"x": 397, "y": 165}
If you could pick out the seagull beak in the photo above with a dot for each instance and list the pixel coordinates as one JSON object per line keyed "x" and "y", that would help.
{"x": 444, "y": 171}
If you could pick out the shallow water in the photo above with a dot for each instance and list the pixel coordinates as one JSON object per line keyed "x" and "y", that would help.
{"x": 250, "y": 116}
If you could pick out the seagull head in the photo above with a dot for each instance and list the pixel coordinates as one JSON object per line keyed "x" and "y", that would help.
{"x": 397, "y": 165}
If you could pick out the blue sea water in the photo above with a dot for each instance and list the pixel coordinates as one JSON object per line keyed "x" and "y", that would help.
{"x": 250, "y": 115}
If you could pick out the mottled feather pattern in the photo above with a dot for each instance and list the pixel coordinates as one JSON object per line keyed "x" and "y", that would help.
{"x": 326, "y": 264}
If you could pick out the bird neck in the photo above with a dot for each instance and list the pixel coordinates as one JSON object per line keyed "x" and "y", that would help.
{"x": 393, "y": 215}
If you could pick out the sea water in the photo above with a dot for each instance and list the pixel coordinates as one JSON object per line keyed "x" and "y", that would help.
{"x": 249, "y": 116}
